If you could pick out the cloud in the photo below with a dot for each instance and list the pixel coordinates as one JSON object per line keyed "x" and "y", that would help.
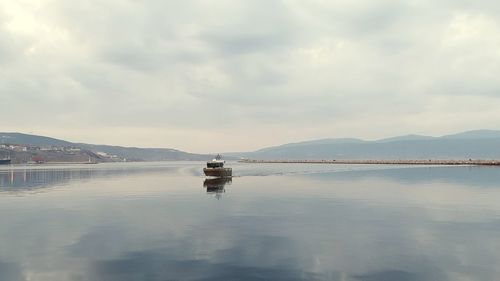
{"x": 300, "y": 70}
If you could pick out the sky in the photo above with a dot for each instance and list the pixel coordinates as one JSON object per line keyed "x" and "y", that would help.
{"x": 225, "y": 75}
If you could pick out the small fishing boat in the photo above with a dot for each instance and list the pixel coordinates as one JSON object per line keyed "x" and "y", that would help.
{"x": 215, "y": 168}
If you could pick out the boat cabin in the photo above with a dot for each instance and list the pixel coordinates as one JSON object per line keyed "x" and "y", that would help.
{"x": 215, "y": 164}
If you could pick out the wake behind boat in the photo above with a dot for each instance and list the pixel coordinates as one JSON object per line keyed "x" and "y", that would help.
{"x": 215, "y": 168}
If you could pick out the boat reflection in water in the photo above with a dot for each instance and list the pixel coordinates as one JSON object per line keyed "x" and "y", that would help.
{"x": 216, "y": 186}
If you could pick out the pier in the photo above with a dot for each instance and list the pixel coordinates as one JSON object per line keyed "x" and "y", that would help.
{"x": 447, "y": 162}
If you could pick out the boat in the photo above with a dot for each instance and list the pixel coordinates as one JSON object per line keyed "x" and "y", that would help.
{"x": 5, "y": 161}
{"x": 215, "y": 168}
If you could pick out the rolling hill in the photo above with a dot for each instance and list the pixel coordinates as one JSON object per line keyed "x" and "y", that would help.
{"x": 129, "y": 153}
{"x": 479, "y": 144}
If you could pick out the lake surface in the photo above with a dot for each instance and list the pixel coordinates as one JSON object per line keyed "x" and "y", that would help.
{"x": 163, "y": 221}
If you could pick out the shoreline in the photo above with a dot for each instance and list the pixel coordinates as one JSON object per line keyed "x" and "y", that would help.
{"x": 470, "y": 162}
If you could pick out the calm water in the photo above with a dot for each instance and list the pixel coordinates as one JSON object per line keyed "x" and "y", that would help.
{"x": 163, "y": 221}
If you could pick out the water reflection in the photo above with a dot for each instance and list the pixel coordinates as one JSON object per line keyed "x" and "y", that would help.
{"x": 216, "y": 186}
{"x": 400, "y": 275}
{"x": 15, "y": 180}
{"x": 391, "y": 225}
{"x": 480, "y": 176}
{"x": 11, "y": 272}
{"x": 28, "y": 179}
{"x": 160, "y": 264}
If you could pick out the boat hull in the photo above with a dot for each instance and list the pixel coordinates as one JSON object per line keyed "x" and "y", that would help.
{"x": 4, "y": 161}
{"x": 218, "y": 172}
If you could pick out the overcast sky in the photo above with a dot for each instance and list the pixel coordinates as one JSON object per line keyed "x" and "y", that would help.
{"x": 208, "y": 76}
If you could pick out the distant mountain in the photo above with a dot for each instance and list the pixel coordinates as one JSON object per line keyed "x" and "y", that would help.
{"x": 484, "y": 144}
{"x": 129, "y": 153}
{"x": 407, "y": 138}
{"x": 313, "y": 142}
{"x": 145, "y": 154}
{"x": 476, "y": 134}
{"x": 18, "y": 138}
{"x": 478, "y": 144}
{"x": 326, "y": 141}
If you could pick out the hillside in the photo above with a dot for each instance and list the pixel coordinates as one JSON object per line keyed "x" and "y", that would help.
{"x": 19, "y": 138}
{"x": 480, "y": 144}
{"x": 145, "y": 154}
{"x": 115, "y": 153}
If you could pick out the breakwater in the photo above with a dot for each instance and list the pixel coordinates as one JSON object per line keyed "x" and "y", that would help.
{"x": 474, "y": 162}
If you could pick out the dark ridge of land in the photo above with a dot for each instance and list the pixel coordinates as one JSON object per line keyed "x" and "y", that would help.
{"x": 473, "y": 162}
{"x": 22, "y": 148}
{"x": 482, "y": 144}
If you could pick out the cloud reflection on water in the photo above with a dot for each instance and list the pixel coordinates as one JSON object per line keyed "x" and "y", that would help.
{"x": 472, "y": 176}
{"x": 382, "y": 225}
{"x": 11, "y": 272}
{"x": 227, "y": 264}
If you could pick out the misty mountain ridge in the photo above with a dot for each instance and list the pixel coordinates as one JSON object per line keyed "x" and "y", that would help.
{"x": 475, "y": 134}
{"x": 314, "y": 142}
{"x": 407, "y": 138}
{"x": 479, "y": 144}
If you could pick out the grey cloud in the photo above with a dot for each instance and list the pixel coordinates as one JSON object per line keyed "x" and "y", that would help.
{"x": 169, "y": 63}
{"x": 237, "y": 44}
{"x": 258, "y": 28}
{"x": 490, "y": 7}
{"x": 151, "y": 60}
{"x": 10, "y": 49}
{"x": 6, "y": 52}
